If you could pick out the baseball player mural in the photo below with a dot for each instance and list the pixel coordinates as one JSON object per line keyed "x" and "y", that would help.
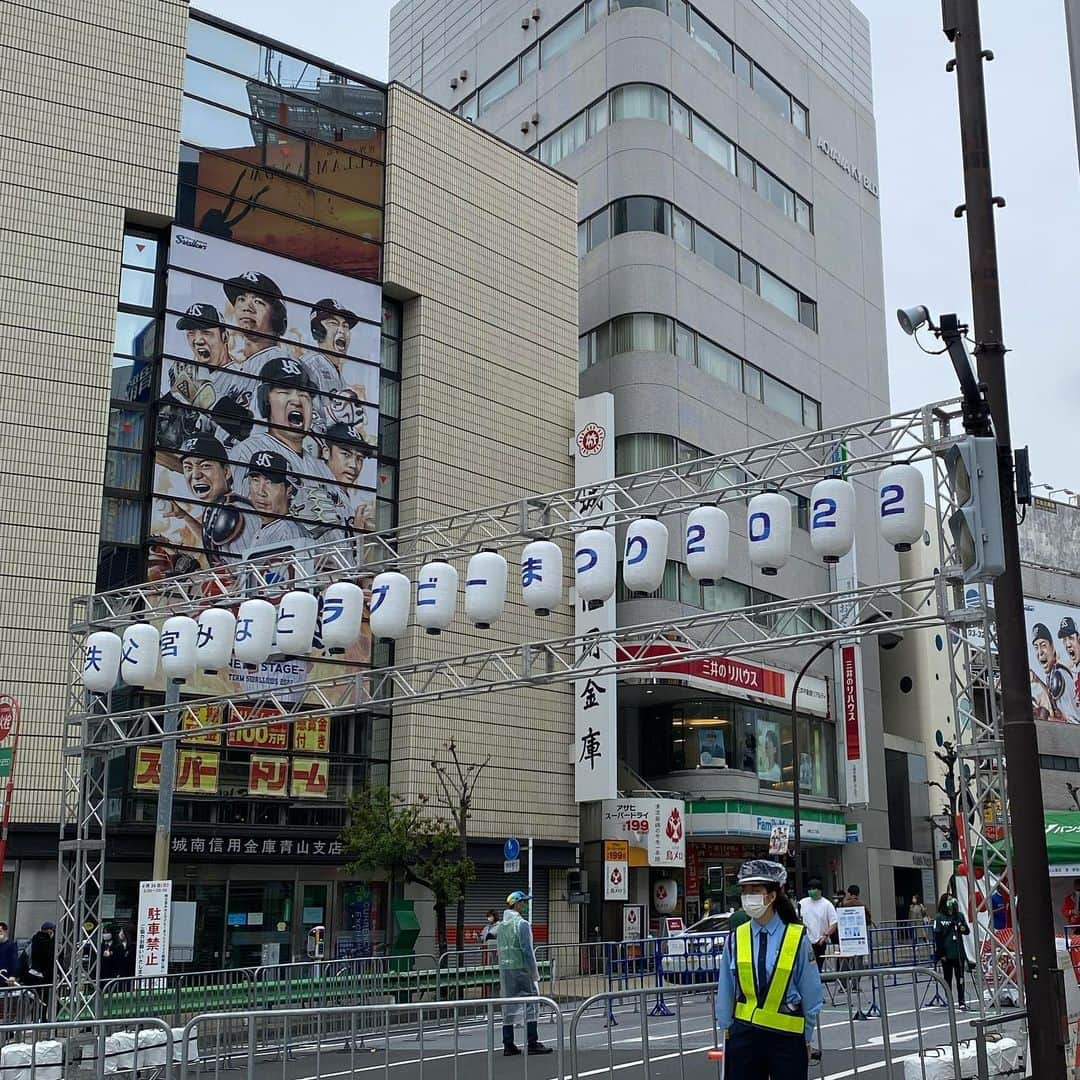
{"x": 1054, "y": 661}
{"x": 267, "y": 410}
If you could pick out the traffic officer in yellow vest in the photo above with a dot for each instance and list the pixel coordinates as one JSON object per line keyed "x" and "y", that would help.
{"x": 769, "y": 994}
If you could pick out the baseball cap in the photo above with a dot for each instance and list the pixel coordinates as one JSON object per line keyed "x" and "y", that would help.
{"x": 761, "y": 872}
{"x": 270, "y": 464}
{"x": 285, "y": 371}
{"x": 328, "y": 306}
{"x": 1040, "y": 632}
{"x": 251, "y": 281}
{"x": 205, "y": 446}
{"x": 199, "y": 317}
{"x": 343, "y": 435}
{"x": 1067, "y": 627}
{"x": 516, "y": 897}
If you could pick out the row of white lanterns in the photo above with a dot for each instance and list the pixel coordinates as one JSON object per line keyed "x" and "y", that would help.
{"x": 296, "y": 625}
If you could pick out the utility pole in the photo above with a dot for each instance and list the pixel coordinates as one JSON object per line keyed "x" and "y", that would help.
{"x": 1043, "y": 983}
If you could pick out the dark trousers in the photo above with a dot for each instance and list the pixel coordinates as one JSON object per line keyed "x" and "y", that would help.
{"x": 954, "y": 969}
{"x": 819, "y": 953}
{"x": 756, "y": 1053}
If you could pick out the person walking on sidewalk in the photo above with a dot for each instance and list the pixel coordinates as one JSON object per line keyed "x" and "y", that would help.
{"x": 518, "y": 974}
{"x": 949, "y": 930}
{"x": 819, "y": 918}
{"x": 769, "y": 993}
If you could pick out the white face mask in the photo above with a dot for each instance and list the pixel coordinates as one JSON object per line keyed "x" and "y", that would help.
{"x": 755, "y": 905}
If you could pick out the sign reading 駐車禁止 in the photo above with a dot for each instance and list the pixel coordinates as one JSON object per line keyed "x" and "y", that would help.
{"x": 152, "y": 938}
{"x": 595, "y": 756}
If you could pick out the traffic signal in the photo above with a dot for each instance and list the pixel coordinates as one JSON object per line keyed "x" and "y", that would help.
{"x": 971, "y": 463}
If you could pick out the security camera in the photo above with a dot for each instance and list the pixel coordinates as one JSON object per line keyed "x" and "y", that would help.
{"x": 910, "y": 319}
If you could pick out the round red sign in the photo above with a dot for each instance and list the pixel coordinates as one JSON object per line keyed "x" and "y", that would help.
{"x": 7, "y": 719}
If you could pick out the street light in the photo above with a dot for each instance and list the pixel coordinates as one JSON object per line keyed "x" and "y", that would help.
{"x": 796, "y": 805}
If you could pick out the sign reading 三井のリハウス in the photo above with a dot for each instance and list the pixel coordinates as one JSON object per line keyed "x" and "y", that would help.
{"x": 595, "y": 753}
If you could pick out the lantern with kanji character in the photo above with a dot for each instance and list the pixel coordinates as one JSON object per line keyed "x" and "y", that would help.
{"x": 594, "y": 566}
{"x": 541, "y": 576}
{"x": 342, "y": 616}
{"x": 832, "y": 518}
{"x": 708, "y": 536}
{"x": 177, "y": 647}
{"x": 768, "y": 531}
{"x": 485, "y": 589}
{"x": 297, "y": 618}
{"x": 139, "y": 654}
{"x": 644, "y": 555}
{"x": 436, "y": 596}
{"x": 901, "y": 505}
{"x": 390, "y": 593}
{"x": 254, "y": 638}
{"x": 101, "y": 661}
{"x": 214, "y": 641}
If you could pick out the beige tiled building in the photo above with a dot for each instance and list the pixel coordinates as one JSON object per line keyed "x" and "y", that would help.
{"x": 478, "y": 249}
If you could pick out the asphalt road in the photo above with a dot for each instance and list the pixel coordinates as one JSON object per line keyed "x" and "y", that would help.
{"x": 675, "y": 1049}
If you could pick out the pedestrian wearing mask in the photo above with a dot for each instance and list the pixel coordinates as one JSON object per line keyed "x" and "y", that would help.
{"x": 769, "y": 992}
{"x": 950, "y": 927}
{"x": 819, "y": 918}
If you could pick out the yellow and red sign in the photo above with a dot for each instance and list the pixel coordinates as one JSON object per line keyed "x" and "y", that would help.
{"x": 310, "y": 778}
{"x": 198, "y": 772}
{"x": 311, "y": 734}
{"x": 263, "y": 737}
{"x": 268, "y": 775}
{"x": 202, "y": 716}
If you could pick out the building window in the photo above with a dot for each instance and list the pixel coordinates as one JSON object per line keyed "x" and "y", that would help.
{"x": 661, "y": 334}
{"x": 557, "y": 41}
{"x": 644, "y": 101}
{"x": 498, "y": 87}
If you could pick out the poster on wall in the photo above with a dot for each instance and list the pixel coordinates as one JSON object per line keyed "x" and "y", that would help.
{"x": 268, "y": 418}
{"x": 652, "y": 828}
{"x": 767, "y": 734}
{"x": 1053, "y": 660}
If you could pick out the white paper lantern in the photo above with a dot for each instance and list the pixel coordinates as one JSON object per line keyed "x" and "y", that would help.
{"x": 254, "y": 638}
{"x": 297, "y": 619}
{"x": 645, "y": 555}
{"x": 485, "y": 589}
{"x": 342, "y": 616}
{"x": 541, "y": 576}
{"x": 177, "y": 647}
{"x": 768, "y": 531}
{"x": 139, "y": 655}
{"x": 436, "y": 596}
{"x": 213, "y": 645}
{"x": 665, "y": 895}
{"x": 832, "y": 518}
{"x": 708, "y": 535}
{"x": 101, "y": 661}
{"x": 390, "y": 595}
{"x": 901, "y": 505}
{"x": 594, "y": 566}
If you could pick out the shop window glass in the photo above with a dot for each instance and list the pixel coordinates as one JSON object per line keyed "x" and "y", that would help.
{"x": 710, "y": 39}
{"x": 639, "y": 102}
{"x": 562, "y": 37}
{"x": 775, "y": 292}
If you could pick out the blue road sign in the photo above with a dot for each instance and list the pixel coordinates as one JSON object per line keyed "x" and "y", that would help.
{"x": 511, "y": 849}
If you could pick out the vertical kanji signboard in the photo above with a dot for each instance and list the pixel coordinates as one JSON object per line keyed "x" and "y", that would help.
{"x": 152, "y": 943}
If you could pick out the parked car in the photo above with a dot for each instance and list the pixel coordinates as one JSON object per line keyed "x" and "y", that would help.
{"x": 693, "y": 955}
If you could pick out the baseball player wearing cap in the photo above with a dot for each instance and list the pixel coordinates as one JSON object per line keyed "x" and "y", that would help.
{"x": 518, "y": 974}
{"x": 352, "y": 462}
{"x": 769, "y": 993}
{"x": 1053, "y": 695}
{"x": 260, "y": 316}
{"x": 270, "y": 491}
{"x": 331, "y": 329}
{"x": 226, "y": 528}
{"x": 1069, "y": 636}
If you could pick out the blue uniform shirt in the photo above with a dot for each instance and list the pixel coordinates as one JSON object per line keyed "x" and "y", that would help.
{"x": 804, "y": 988}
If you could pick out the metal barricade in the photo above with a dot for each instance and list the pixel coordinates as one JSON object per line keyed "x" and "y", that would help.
{"x": 338, "y": 1042}
{"x": 178, "y": 996}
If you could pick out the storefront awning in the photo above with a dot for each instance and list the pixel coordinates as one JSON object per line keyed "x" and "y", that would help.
{"x": 708, "y": 818}
{"x": 1063, "y": 842}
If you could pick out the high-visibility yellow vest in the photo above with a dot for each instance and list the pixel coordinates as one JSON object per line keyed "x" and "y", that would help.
{"x": 767, "y": 1015}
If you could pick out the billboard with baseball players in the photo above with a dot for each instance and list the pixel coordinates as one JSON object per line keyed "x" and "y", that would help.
{"x": 268, "y": 418}
{"x": 1053, "y": 660}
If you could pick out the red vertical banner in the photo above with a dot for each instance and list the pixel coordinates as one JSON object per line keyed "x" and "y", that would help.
{"x": 10, "y": 714}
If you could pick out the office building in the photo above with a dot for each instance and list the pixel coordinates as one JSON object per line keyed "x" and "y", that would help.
{"x": 730, "y": 294}
{"x": 256, "y": 302}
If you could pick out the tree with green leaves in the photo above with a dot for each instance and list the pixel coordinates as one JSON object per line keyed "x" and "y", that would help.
{"x": 404, "y": 839}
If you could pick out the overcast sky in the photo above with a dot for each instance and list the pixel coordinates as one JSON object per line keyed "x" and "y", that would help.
{"x": 1035, "y": 168}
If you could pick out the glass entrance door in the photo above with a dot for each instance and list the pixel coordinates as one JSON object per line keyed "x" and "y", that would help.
{"x": 312, "y": 910}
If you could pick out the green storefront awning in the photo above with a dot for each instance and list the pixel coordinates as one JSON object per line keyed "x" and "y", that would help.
{"x": 1063, "y": 842}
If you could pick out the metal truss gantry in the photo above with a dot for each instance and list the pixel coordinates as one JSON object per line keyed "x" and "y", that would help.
{"x": 92, "y": 732}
